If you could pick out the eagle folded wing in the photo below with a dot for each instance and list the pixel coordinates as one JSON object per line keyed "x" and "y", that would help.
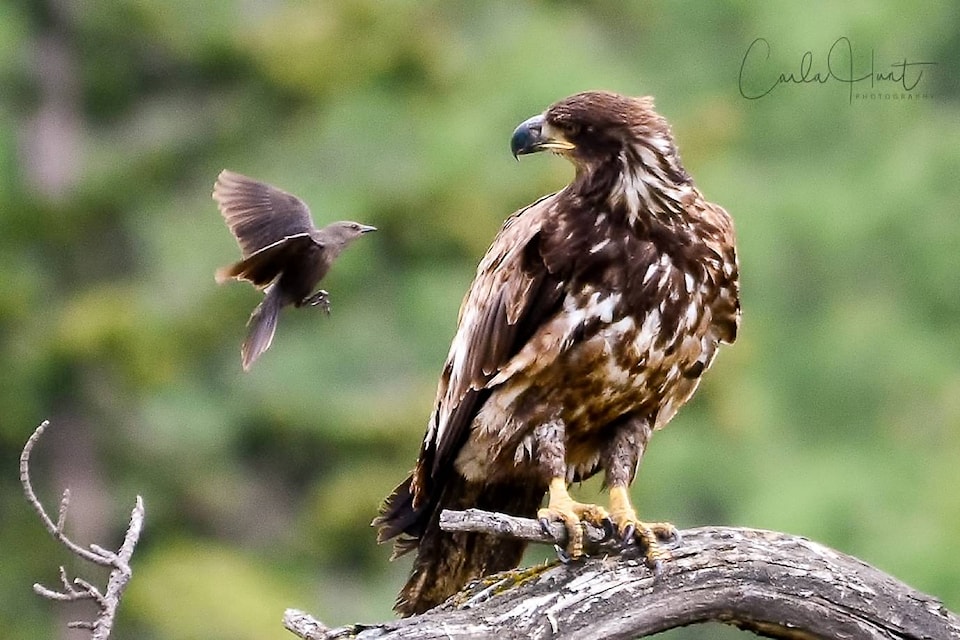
{"x": 512, "y": 295}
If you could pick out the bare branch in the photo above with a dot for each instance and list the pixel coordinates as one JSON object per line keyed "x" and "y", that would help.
{"x": 80, "y": 589}
{"x": 56, "y": 530}
{"x": 504, "y": 526}
{"x": 773, "y": 584}
{"x": 67, "y": 595}
{"x": 64, "y": 505}
{"x": 304, "y": 626}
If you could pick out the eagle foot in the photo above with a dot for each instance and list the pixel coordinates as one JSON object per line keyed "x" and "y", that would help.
{"x": 652, "y": 536}
{"x": 562, "y": 508}
{"x": 651, "y": 532}
{"x": 319, "y": 299}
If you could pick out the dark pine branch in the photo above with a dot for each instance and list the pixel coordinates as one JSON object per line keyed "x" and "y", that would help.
{"x": 773, "y": 584}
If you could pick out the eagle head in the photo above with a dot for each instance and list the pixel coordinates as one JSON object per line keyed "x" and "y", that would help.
{"x": 593, "y": 127}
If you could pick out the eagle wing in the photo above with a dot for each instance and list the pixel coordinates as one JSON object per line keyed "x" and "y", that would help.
{"x": 259, "y": 215}
{"x": 511, "y": 296}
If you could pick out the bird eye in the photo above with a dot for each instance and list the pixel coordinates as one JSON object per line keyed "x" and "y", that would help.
{"x": 570, "y": 129}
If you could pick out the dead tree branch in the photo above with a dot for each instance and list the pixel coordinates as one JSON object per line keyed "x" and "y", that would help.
{"x": 773, "y": 584}
{"x": 504, "y": 526}
{"x": 119, "y": 561}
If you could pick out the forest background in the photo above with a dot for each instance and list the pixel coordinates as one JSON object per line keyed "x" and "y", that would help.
{"x": 835, "y": 416}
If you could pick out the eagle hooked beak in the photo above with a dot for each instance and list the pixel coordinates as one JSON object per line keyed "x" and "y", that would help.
{"x": 533, "y": 135}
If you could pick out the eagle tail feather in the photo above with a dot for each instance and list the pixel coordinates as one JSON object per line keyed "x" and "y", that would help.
{"x": 400, "y": 521}
{"x": 446, "y": 562}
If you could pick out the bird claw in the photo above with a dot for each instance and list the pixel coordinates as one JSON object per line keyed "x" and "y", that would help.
{"x": 655, "y": 565}
{"x": 562, "y": 554}
{"x": 671, "y": 537}
{"x": 572, "y": 514}
{"x": 663, "y": 532}
{"x": 319, "y": 299}
{"x": 609, "y": 528}
{"x": 652, "y": 537}
{"x": 545, "y": 526}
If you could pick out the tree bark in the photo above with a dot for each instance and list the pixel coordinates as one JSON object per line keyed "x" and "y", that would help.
{"x": 774, "y": 584}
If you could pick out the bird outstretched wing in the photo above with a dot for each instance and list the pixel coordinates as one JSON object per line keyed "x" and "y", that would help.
{"x": 259, "y": 215}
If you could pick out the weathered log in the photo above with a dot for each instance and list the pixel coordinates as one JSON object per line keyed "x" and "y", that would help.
{"x": 773, "y": 584}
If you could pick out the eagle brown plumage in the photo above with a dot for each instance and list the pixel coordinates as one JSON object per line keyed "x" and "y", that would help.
{"x": 591, "y": 320}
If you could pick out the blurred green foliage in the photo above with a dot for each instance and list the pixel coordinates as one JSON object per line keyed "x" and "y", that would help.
{"x": 836, "y": 416}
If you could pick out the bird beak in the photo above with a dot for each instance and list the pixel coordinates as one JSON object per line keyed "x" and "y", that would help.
{"x": 535, "y": 135}
{"x": 365, "y": 228}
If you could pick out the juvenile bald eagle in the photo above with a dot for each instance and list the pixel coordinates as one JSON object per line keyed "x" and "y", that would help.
{"x": 592, "y": 317}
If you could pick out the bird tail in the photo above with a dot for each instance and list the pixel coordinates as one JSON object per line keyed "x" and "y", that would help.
{"x": 446, "y": 562}
{"x": 262, "y": 325}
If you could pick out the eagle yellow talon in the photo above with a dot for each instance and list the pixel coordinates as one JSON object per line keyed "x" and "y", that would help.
{"x": 648, "y": 534}
{"x": 562, "y": 508}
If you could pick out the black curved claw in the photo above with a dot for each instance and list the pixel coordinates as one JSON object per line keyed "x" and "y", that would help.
{"x": 562, "y": 554}
{"x": 628, "y": 533}
{"x": 609, "y": 529}
{"x": 545, "y": 526}
{"x": 656, "y": 565}
{"x": 674, "y": 539}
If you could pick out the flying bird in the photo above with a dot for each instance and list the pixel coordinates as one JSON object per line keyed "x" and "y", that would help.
{"x": 592, "y": 318}
{"x": 284, "y": 254}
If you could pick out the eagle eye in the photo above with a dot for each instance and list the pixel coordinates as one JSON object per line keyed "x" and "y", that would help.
{"x": 569, "y": 129}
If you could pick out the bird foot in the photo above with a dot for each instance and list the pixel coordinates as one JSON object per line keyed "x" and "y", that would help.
{"x": 564, "y": 509}
{"x": 319, "y": 299}
{"x": 651, "y": 535}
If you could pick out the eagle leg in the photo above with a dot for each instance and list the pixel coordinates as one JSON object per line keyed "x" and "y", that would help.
{"x": 562, "y": 508}
{"x": 321, "y": 298}
{"x": 649, "y": 534}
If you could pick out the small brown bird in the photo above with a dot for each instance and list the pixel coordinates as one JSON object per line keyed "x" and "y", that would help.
{"x": 284, "y": 254}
